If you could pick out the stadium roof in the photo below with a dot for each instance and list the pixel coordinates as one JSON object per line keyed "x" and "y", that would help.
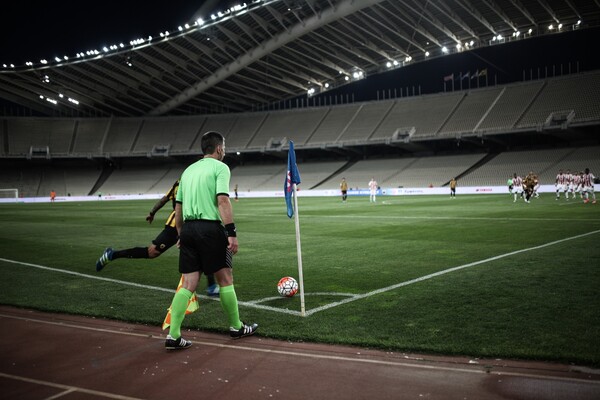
{"x": 265, "y": 51}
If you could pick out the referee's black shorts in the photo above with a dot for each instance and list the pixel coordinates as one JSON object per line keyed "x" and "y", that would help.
{"x": 203, "y": 247}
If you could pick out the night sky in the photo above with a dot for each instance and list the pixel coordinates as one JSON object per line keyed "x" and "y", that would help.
{"x": 33, "y": 30}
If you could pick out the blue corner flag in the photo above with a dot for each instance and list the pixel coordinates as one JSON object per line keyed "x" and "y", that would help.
{"x": 292, "y": 177}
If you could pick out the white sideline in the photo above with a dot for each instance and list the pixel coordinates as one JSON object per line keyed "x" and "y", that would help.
{"x": 351, "y": 297}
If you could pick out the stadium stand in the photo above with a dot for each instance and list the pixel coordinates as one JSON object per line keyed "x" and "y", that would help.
{"x": 496, "y": 172}
{"x": 341, "y": 133}
{"x": 258, "y": 177}
{"x": 121, "y": 135}
{"x": 579, "y": 92}
{"x": 296, "y": 125}
{"x": 472, "y": 109}
{"x": 509, "y": 107}
{"x": 25, "y": 134}
{"x": 89, "y": 135}
{"x": 333, "y": 125}
{"x": 365, "y": 121}
{"x": 177, "y": 134}
{"x": 244, "y": 129}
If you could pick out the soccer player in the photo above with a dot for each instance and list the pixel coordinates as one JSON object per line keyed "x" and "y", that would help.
{"x": 509, "y": 183}
{"x": 373, "y": 189}
{"x": 453, "y": 188}
{"x": 561, "y": 185}
{"x": 52, "y": 196}
{"x": 588, "y": 186}
{"x": 207, "y": 238}
{"x": 517, "y": 186}
{"x": 163, "y": 242}
{"x": 528, "y": 185}
{"x": 344, "y": 189}
{"x": 577, "y": 184}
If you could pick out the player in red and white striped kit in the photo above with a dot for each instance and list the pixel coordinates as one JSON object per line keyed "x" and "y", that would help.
{"x": 517, "y": 186}
{"x": 577, "y": 184}
{"x": 588, "y": 186}
{"x": 562, "y": 184}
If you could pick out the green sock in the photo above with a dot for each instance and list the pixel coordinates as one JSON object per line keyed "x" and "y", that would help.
{"x": 178, "y": 307}
{"x": 230, "y": 305}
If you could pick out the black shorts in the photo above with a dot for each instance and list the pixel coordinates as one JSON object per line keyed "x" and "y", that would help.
{"x": 203, "y": 247}
{"x": 166, "y": 239}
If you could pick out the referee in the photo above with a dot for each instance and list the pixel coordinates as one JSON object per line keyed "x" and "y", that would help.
{"x": 207, "y": 238}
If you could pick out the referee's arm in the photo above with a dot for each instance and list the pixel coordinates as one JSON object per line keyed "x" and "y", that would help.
{"x": 226, "y": 212}
{"x": 178, "y": 218}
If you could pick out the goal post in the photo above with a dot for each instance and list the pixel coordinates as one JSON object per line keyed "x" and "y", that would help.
{"x": 9, "y": 195}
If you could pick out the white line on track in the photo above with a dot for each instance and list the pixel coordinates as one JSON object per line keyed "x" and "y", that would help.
{"x": 67, "y": 389}
{"x": 294, "y": 354}
{"x": 350, "y": 297}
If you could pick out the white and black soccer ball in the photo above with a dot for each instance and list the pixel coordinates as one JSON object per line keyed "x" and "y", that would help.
{"x": 287, "y": 286}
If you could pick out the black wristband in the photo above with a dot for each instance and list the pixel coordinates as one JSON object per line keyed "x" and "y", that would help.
{"x": 230, "y": 228}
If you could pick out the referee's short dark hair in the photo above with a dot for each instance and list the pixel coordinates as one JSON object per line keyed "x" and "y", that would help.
{"x": 210, "y": 141}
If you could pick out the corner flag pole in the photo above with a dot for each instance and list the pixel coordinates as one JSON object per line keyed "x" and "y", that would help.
{"x": 299, "y": 251}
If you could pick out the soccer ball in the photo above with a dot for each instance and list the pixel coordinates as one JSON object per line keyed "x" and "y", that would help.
{"x": 287, "y": 286}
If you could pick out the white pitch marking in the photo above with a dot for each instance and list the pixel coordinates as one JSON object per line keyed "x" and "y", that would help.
{"x": 422, "y": 278}
{"x": 351, "y": 298}
{"x": 280, "y": 352}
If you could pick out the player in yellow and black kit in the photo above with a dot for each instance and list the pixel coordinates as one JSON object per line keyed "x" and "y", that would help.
{"x": 529, "y": 184}
{"x": 163, "y": 242}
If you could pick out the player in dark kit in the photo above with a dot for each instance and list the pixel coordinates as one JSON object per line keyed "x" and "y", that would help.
{"x": 166, "y": 239}
{"x": 528, "y": 185}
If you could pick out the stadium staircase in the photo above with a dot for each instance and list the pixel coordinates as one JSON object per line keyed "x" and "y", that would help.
{"x": 335, "y": 173}
{"x": 487, "y": 158}
{"x": 107, "y": 170}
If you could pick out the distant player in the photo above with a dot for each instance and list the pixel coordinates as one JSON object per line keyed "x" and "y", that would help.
{"x": 453, "y": 188}
{"x": 561, "y": 184}
{"x": 517, "y": 186}
{"x": 588, "y": 186}
{"x": 577, "y": 185}
{"x": 509, "y": 183}
{"x": 373, "y": 189}
{"x": 528, "y": 186}
{"x": 52, "y": 196}
{"x": 344, "y": 189}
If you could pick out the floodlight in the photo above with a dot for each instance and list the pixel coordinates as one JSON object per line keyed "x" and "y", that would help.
{"x": 180, "y": 28}
{"x": 327, "y": 86}
{"x": 395, "y": 63}
{"x": 559, "y": 26}
{"x": 444, "y": 49}
{"x": 551, "y": 27}
{"x": 44, "y": 61}
{"x": 426, "y": 54}
{"x": 61, "y": 95}
{"x": 388, "y": 64}
{"x": 57, "y": 59}
{"x": 105, "y": 49}
{"x": 346, "y": 78}
{"x": 200, "y": 22}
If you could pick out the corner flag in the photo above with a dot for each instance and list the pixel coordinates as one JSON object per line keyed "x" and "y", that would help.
{"x": 292, "y": 178}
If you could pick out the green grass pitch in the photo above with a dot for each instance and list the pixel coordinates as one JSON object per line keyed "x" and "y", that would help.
{"x": 530, "y": 286}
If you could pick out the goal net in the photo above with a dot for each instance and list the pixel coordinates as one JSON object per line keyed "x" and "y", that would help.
{"x": 9, "y": 195}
